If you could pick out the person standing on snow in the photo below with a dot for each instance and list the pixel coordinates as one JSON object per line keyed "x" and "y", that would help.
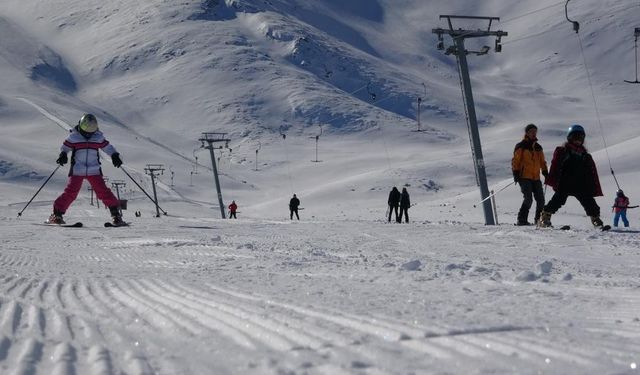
{"x": 527, "y": 163}
{"x": 405, "y": 203}
{"x": 573, "y": 172}
{"x": 394, "y": 201}
{"x": 85, "y": 143}
{"x": 293, "y": 206}
{"x": 232, "y": 210}
{"x": 620, "y": 205}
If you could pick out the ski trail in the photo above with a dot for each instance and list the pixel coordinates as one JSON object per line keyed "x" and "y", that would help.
{"x": 28, "y": 357}
{"x": 99, "y": 361}
{"x": 10, "y": 317}
{"x": 263, "y": 327}
{"x": 5, "y": 345}
{"x": 63, "y": 359}
{"x": 234, "y": 328}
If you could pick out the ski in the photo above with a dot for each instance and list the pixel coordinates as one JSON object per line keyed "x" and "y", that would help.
{"x": 109, "y": 224}
{"x": 604, "y": 228}
{"x": 74, "y": 225}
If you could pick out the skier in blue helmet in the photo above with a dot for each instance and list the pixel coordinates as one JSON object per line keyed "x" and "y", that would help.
{"x": 573, "y": 172}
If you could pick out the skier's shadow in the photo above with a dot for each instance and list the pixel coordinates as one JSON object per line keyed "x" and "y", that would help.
{"x": 624, "y": 231}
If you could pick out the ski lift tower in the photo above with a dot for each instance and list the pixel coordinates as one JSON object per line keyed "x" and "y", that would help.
{"x": 458, "y": 49}
{"x": 154, "y": 170}
{"x": 636, "y": 34}
{"x": 210, "y": 139}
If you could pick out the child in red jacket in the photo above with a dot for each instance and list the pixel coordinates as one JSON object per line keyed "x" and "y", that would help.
{"x": 620, "y": 206}
{"x": 233, "y": 207}
{"x": 573, "y": 172}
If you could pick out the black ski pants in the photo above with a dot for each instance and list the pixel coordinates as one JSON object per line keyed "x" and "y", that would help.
{"x": 531, "y": 189}
{"x": 405, "y": 211}
{"x": 391, "y": 208}
{"x": 294, "y": 211}
{"x": 586, "y": 200}
{"x": 232, "y": 214}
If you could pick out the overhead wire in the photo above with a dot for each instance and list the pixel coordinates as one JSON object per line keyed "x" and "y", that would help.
{"x": 593, "y": 95}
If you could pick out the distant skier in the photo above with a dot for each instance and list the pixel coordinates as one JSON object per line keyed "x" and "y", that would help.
{"x": 405, "y": 203}
{"x": 233, "y": 207}
{"x": 620, "y": 205}
{"x": 527, "y": 163}
{"x": 294, "y": 203}
{"x": 394, "y": 201}
{"x": 573, "y": 172}
{"x": 85, "y": 142}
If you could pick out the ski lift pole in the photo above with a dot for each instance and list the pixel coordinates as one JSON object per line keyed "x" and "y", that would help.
{"x": 494, "y": 194}
{"x": 37, "y": 192}
{"x": 495, "y": 207}
{"x": 145, "y": 193}
{"x": 636, "y": 34}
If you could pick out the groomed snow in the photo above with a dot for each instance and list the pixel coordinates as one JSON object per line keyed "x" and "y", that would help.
{"x": 341, "y": 291}
{"x": 195, "y": 295}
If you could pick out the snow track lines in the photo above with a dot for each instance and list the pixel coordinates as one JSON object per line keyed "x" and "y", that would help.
{"x": 258, "y": 300}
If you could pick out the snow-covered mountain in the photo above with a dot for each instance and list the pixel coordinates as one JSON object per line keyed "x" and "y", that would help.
{"x": 158, "y": 74}
{"x": 280, "y": 77}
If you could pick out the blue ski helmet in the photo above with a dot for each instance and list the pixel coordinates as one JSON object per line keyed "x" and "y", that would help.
{"x": 88, "y": 123}
{"x": 575, "y": 129}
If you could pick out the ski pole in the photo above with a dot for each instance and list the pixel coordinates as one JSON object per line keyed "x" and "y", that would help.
{"x": 34, "y": 196}
{"x": 148, "y": 196}
{"x": 491, "y": 195}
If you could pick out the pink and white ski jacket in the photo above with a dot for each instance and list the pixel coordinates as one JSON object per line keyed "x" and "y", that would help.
{"x": 85, "y": 153}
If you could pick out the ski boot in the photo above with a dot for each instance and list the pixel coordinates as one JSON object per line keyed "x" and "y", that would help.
{"x": 55, "y": 218}
{"x": 545, "y": 220}
{"x": 116, "y": 217}
{"x": 596, "y": 221}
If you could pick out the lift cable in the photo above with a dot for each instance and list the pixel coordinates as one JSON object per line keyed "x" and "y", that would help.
{"x": 576, "y": 28}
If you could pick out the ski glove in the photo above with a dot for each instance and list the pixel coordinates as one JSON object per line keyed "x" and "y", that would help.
{"x": 115, "y": 159}
{"x": 516, "y": 177}
{"x": 62, "y": 159}
{"x": 545, "y": 174}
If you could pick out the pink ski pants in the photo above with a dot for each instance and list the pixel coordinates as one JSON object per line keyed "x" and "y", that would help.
{"x": 73, "y": 188}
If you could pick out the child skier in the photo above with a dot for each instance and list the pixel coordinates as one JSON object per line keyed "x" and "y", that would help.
{"x": 233, "y": 207}
{"x": 85, "y": 142}
{"x": 573, "y": 172}
{"x": 620, "y": 205}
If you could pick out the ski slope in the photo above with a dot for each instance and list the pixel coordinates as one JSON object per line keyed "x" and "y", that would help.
{"x": 341, "y": 290}
{"x": 202, "y": 295}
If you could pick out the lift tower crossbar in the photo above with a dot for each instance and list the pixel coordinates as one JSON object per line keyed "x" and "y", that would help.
{"x": 458, "y": 49}
{"x": 210, "y": 139}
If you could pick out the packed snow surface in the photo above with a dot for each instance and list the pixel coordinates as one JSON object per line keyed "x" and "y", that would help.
{"x": 320, "y": 99}
{"x": 195, "y": 295}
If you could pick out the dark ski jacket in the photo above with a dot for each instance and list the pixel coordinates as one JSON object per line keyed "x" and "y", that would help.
{"x": 294, "y": 203}
{"x": 574, "y": 172}
{"x": 394, "y": 197}
{"x": 233, "y": 207}
{"x": 404, "y": 200}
